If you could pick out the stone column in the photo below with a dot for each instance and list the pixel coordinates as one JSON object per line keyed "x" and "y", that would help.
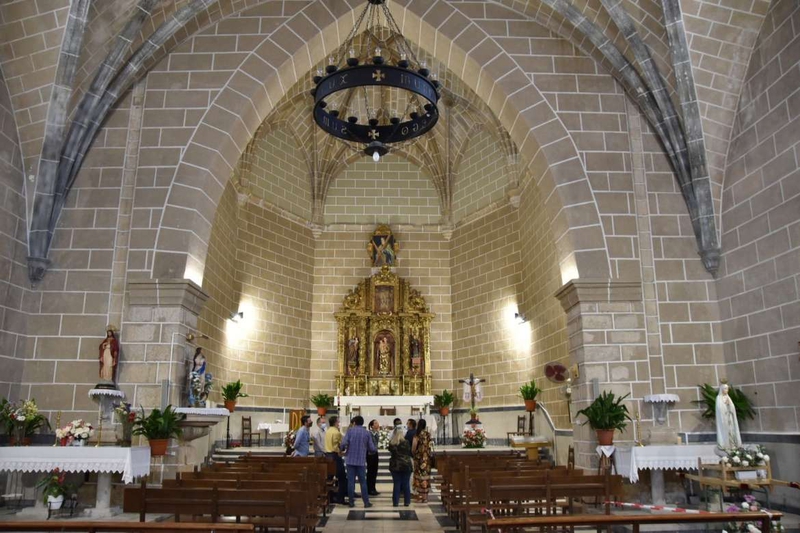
{"x": 161, "y": 312}
{"x": 608, "y": 342}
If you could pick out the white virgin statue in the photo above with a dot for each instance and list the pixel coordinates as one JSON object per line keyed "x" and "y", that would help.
{"x": 728, "y": 435}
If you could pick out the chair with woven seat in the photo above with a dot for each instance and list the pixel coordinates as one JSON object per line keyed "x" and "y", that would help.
{"x": 248, "y": 435}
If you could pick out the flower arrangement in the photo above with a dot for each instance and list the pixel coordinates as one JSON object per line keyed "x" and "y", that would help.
{"x": 750, "y": 456}
{"x": 384, "y": 436}
{"x": 750, "y": 504}
{"x": 125, "y": 416}
{"x": 78, "y": 431}
{"x": 54, "y": 485}
{"x": 22, "y": 419}
{"x": 473, "y": 438}
{"x": 288, "y": 442}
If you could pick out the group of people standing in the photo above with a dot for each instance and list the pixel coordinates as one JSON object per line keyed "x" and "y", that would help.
{"x": 356, "y": 455}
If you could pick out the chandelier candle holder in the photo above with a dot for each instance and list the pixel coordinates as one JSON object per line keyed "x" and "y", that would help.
{"x": 387, "y": 93}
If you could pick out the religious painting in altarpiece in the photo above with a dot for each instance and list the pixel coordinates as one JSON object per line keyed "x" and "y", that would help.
{"x": 383, "y": 346}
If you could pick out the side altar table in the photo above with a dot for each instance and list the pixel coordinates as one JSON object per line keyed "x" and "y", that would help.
{"x": 130, "y": 462}
{"x": 659, "y": 458}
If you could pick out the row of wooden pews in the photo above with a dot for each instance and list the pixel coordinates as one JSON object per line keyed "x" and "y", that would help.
{"x": 475, "y": 487}
{"x": 288, "y": 493}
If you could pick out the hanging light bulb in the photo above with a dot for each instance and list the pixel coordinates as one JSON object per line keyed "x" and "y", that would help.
{"x": 376, "y": 156}
{"x": 352, "y": 60}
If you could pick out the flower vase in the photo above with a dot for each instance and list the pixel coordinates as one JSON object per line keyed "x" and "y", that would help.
{"x": 79, "y": 442}
{"x": 124, "y": 434}
{"x": 55, "y": 502}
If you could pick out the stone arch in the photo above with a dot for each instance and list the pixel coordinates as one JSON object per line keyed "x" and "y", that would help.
{"x": 545, "y": 146}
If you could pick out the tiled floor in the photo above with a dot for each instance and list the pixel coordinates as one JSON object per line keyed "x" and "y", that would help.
{"x": 383, "y": 518}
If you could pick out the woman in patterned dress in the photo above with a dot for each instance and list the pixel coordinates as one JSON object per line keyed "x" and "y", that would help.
{"x": 421, "y": 449}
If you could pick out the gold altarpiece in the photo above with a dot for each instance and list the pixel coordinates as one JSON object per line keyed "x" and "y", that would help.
{"x": 383, "y": 344}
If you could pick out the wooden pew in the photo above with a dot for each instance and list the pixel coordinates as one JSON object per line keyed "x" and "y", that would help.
{"x": 286, "y": 508}
{"x": 124, "y": 527}
{"x": 602, "y": 521}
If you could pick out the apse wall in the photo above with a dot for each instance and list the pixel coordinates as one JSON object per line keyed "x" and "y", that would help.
{"x": 15, "y": 300}
{"x": 760, "y": 267}
{"x": 341, "y": 262}
{"x": 392, "y": 191}
{"x": 270, "y": 282}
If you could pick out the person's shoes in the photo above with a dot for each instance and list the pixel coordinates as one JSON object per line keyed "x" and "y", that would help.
{"x": 395, "y": 505}
{"x": 374, "y": 493}
{"x": 367, "y": 505}
{"x": 351, "y": 504}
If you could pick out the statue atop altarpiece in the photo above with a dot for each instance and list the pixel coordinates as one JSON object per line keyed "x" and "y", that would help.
{"x": 383, "y": 345}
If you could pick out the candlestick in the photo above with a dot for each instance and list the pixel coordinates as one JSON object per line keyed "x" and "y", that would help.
{"x": 99, "y": 433}
{"x": 58, "y": 426}
{"x": 637, "y": 429}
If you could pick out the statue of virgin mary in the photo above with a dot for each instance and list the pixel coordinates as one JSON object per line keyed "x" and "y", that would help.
{"x": 728, "y": 435}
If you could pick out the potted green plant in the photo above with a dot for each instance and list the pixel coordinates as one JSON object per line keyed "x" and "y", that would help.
{"x": 322, "y": 401}
{"x": 606, "y": 414}
{"x": 55, "y": 488}
{"x": 529, "y": 391}
{"x": 443, "y": 401}
{"x": 158, "y": 427}
{"x": 708, "y": 400}
{"x": 232, "y": 392}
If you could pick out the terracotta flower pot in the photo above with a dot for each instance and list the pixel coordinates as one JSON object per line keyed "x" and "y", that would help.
{"x": 26, "y": 441}
{"x": 605, "y": 437}
{"x": 158, "y": 447}
{"x": 321, "y": 411}
{"x": 444, "y": 411}
{"x": 230, "y": 405}
{"x": 530, "y": 405}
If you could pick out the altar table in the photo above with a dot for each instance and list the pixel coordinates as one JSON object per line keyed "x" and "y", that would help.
{"x": 131, "y": 462}
{"x": 268, "y": 428}
{"x": 659, "y": 458}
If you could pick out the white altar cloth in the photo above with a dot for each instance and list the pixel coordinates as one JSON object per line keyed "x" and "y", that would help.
{"x": 387, "y": 421}
{"x": 384, "y": 401}
{"x": 131, "y": 462}
{"x": 670, "y": 457}
{"x": 273, "y": 428}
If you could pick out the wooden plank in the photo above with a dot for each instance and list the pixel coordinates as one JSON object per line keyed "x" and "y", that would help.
{"x": 132, "y": 527}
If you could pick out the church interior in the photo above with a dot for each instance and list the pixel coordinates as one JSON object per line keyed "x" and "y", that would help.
{"x": 552, "y": 245}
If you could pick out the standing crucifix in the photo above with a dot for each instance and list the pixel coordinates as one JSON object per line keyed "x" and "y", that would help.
{"x": 472, "y": 393}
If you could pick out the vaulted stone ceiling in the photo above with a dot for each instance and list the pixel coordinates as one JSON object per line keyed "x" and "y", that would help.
{"x": 683, "y": 63}
{"x": 463, "y": 114}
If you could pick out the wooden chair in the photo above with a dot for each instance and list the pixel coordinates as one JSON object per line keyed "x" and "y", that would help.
{"x": 520, "y": 429}
{"x": 388, "y": 411}
{"x": 248, "y": 436}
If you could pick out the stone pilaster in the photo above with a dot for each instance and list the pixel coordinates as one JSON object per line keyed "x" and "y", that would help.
{"x": 608, "y": 342}
{"x": 161, "y": 312}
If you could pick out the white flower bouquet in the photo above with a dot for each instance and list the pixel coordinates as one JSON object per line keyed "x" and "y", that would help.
{"x": 79, "y": 430}
{"x": 754, "y": 455}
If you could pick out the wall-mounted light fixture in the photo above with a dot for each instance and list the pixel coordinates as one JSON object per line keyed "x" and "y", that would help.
{"x": 236, "y": 316}
{"x": 520, "y": 318}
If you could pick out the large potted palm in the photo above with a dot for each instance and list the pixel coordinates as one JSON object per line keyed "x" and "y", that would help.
{"x": 606, "y": 414}
{"x": 529, "y": 392}
{"x": 232, "y": 392}
{"x": 443, "y": 402}
{"x": 158, "y": 427}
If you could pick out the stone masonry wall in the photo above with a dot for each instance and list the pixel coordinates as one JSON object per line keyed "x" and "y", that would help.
{"x": 758, "y": 286}
{"x": 15, "y": 298}
{"x": 482, "y": 176}
{"x": 540, "y": 280}
{"x": 392, "y": 191}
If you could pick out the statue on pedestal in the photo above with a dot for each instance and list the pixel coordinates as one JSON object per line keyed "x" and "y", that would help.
{"x": 728, "y": 435}
{"x": 108, "y": 358}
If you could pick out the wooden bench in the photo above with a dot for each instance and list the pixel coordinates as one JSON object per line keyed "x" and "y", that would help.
{"x": 285, "y": 508}
{"x": 124, "y": 527}
{"x": 606, "y": 521}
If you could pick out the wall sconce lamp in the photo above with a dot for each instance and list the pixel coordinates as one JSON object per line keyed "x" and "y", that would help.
{"x": 520, "y": 318}
{"x": 236, "y": 316}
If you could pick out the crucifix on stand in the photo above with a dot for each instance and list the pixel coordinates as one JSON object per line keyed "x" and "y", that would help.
{"x": 472, "y": 393}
